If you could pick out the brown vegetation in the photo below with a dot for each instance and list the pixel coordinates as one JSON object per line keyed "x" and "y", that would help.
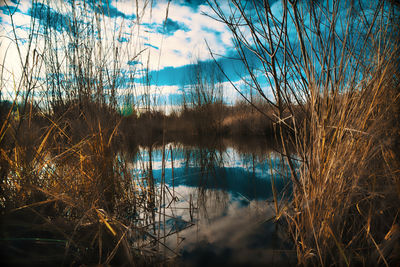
{"x": 64, "y": 185}
{"x": 346, "y": 207}
{"x": 68, "y": 190}
{"x": 344, "y": 113}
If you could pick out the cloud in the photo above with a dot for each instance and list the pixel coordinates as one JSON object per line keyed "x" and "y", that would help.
{"x": 170, "y": 27}
{"x": 122, "y": 39}
{"x": 183, "y": 75}
{"x": 181, "y": 40}
{"x": 106, "y": 8}
{"x": 10, "y": 9}
{"x": 133, "y": 62}
{"x": 50, "y": 17}
{"x": 220, "y": 241}
{"x": 194, "y": 4}
{"x": 152, "y": 46}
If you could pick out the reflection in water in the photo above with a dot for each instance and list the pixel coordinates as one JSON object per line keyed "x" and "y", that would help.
{"x": 215, "y": 204}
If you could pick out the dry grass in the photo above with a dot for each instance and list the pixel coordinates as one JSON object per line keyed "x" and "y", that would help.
{"x": 213, "y": 120}
{"x": 72, "y": 192}
{"x": 334, "y": 72}
{"x": 346, "y": 209}
{"x": 64, "y": 186}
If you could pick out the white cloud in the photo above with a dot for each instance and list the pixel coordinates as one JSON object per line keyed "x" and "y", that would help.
{"x": 184, "y": 46}
{"x": 126, "y": 6}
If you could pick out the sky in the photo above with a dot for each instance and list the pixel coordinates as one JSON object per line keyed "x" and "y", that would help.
{"x": 165, "y": 38}
{"x": 169, "y": 40}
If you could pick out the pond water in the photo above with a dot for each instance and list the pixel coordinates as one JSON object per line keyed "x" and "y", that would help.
{"x": 216, "y": 203}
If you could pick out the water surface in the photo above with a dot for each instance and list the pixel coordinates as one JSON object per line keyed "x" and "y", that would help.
{"x": 216, "y": 203}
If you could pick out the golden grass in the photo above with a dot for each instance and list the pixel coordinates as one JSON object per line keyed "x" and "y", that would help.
{"x": 81, "y": 192}
{"x": 346, "y": 209}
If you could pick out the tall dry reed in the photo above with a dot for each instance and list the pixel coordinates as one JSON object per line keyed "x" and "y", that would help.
{"x": 345, "y": 210}
{"x": 332, "y": 70}
{"x": 80, "y": 195}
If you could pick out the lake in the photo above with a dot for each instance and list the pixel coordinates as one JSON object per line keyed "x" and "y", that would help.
{"x": 214, "y": 204}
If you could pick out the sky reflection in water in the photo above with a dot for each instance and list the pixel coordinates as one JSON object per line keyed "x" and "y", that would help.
{"x": 222, "y": 204}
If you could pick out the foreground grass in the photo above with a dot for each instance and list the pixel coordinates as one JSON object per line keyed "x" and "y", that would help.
{"x": 345, "y": 209}
{"x": 65, "y": 183}
{"x": 64, "y": 187}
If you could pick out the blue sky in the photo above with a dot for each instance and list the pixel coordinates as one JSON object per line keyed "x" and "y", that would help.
{"x": 169, "y": 38}
{"x": 172, "y": 43}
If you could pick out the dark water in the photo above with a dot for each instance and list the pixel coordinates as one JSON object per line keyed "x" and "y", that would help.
{"x": 216, "y": 204}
